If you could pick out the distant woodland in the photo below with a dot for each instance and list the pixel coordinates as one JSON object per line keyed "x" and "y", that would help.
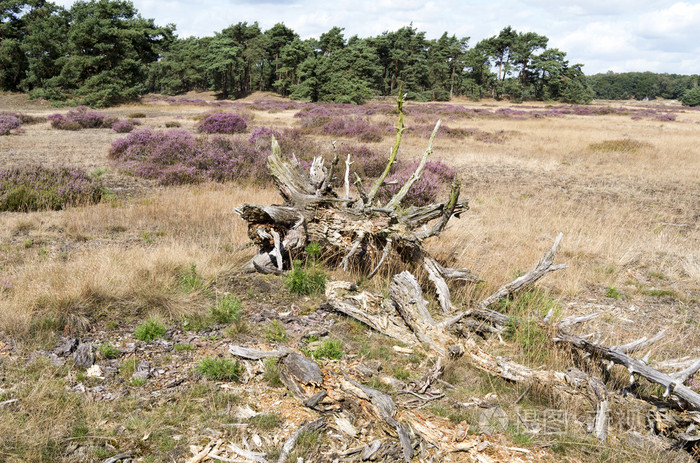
{"x": 102, "y": 52}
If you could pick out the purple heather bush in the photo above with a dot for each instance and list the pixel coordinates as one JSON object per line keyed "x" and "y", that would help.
{"x": 366, "y": 162}
{"x": 222, "y": 123}
{"x": 435, "y": 179}
{"x": 177, "y": 157}
{"x": 34, "y": 187}
{"x": 9, "y": 124}
{"x": 123, "y": 126}
{"x": 81, "y": 117}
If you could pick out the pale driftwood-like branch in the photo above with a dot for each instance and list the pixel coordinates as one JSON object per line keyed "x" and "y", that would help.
{"x": 315, "y": 425}
{"x": 248, "y": 455}
{"x": 543, "y": 267}
{"x": 403, "y": 191}
{"x": 385, "y": 408}
{"x": 385, "y": 253}
{"x": 248, "y": 353}
{"x": 353, "y": 250}
{"x": 409, "y": 303}
{"x": 435, "y": 275}
{"x": 367, "y": 308}
{"x": 635, "y": 367}
{"x": 685, "y": 374}
{"x": 347, "y": 177}
{"x": 640, "y": 344}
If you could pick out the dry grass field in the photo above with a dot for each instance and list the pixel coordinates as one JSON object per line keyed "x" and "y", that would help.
{"x": 624, "y": 191}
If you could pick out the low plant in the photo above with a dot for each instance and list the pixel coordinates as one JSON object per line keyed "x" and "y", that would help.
{"x": 108, "y": 351}
{"x": 9, "y": 124}
{"x": 227, "y": 310}
{"x": 272, "y": 373}
{"x": 137, "y": 115}
{"x": 176, "y": 157}
{"x": 150, "y": 330}
{"x": 172, "y": 124}
{"x": 81, "y": 117}
{"x": 190, "y": 281}
{"x": 220, "y": 369}
{"x": 265, "y": 421}
{"x": 181, "y": 347}
{"x": 123, "y": 126}
{"x": 275, "y": 332}
{"x": 330, "y": 349}
{"x": 222, "y": 123}
{"x": 34, "y": 187}
{"x": 613, "y": 292}
{"x": 624, "y": 145}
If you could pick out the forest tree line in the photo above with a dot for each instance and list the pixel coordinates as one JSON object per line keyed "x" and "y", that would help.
{"x": 102, "y": 52}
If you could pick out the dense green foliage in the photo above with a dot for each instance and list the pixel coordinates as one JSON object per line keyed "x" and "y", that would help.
{"x": 691, "y": 97}
{"x": 102, "y": 52}
{"x": 641, "y": 85}
{"x": 95, "y": 53}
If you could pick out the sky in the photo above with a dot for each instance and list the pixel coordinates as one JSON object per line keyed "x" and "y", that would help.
{"x": 604, "y": 35}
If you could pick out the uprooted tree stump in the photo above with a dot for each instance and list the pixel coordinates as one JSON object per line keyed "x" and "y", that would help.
{"x": 363, "y": 233}
{"x": 351, "y": 231}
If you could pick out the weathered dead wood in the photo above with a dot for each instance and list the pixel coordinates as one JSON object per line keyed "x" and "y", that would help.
{"x": 635, "y": 367}
{"x": 249, "y": 353}
{"x": 385, "y": 408}
{"x": 409, "y": 303}
{"x": 351, "y": 231}
{"x": 288, "y": 446}
{"x": 543, "y": 267}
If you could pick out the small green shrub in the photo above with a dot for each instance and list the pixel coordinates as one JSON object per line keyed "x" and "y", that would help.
{"x": 613, "y": 293}
{"x": 108, "y": 351}
{"x": 226, "y": 310}
{"x": 272, "y": 373}
{"x": 275, "y": 332}
{"x": 149, "y": 330}
{"x": 330, "y": 349}
{"x": 172, "y": 124}
{"x": 306, "y": 280}
{"x": 265, "y": 421}
{"x": 137, "y": 115}
{"x": 220, "y": 369}
{"x": 190, "y": 280}
{"x": 138, "y": 382}
{"x": 180, "y": 347}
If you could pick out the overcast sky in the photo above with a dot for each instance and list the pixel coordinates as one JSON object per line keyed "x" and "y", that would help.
{"x": 616, "y": 35}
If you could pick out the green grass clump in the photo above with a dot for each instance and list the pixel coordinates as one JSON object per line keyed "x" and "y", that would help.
{"x": 108, "y": 351}
{"x": 190, "y": 280}
{"x": 149, "y": 330}
{"x": 613, "y": 292}
{"x": 220, "y": 369}
{"x": 330, "y": 349}
{"x": 265, "y": 421}
{"x": 306, "y": 280}
{"x": 275, "y": 332}
{"x": 180, "y": 347}
{"x": 271, "y": 374}
{"x": 620, "y": 146}
{"x": 227, "y": 310}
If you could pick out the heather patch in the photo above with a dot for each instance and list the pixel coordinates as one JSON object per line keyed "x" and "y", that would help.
{"x": 81, "y": 117}
{"x": 222, "y": 123}
{"x": 123, "y": 126}
{"x": 30, "y": 188}
{"x": 178, "y": 157}
{"x": 10, "y": 124}
{"x": 435, "y": 179}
